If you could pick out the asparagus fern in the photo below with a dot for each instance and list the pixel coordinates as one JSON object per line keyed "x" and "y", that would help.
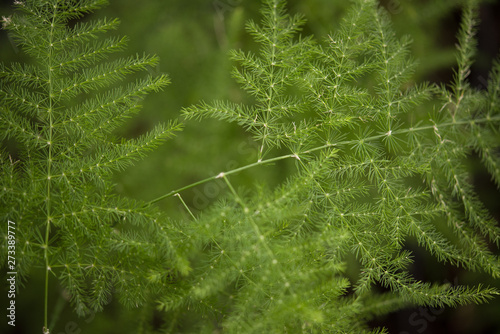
{"x": 379, "y": 161}
{"x": 61, "y": 111}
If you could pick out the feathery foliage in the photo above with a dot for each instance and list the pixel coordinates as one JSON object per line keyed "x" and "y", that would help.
{"x": 61, "y": 112}
{"x": 345, "y": 111}
{"x": 379, "y": 161}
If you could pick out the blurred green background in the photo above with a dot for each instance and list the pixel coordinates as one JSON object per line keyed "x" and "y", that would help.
{"x": 192, "y": 39}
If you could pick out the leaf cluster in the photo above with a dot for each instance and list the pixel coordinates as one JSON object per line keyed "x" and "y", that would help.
{"x": 61, "y": 112}
{"x": 380, "y": 162}
{"x": 375, "y": 170}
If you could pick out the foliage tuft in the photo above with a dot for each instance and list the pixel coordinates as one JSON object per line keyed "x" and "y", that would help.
{"x": 380, "y": 162}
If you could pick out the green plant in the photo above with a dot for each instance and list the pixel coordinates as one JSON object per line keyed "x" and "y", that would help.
{"x": 58, "y": 189}
{"x": 373, "y": 170}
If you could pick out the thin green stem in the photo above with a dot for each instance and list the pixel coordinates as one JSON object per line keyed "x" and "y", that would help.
{"x": 260, "y": 235}
{"x": 235, "y": 194}
{"x": 49, "y": 169}
{"x": 185, "y": 206}
{"x": 218, "y": 176}
{"x": 319, "y": 148}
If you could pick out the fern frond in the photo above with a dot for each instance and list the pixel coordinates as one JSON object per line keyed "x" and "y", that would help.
{"x": 62, "y": 180}
{"x": 393, "y": 177}
{"x": 379, "y": 165}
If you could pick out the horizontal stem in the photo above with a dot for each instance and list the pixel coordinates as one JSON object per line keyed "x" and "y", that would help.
{"x": 220, "y": 175}
{"x": 346, "y": 142}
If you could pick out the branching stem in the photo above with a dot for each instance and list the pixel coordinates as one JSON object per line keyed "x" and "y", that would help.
{"x": 49, "y": 169}
{"x": 319, "y": 148}
{"x": 218, "y": 176}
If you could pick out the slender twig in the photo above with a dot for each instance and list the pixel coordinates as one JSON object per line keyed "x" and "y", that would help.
{"x": 185, "y": 205}
{"x": 218, "y": 176}
{"x": 49, "y": 171}
{"x": 319, "y": 148}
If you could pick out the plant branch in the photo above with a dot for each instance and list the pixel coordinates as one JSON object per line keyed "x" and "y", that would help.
{"x": 322, "y": 147}
{"x": 49, "y": 169}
